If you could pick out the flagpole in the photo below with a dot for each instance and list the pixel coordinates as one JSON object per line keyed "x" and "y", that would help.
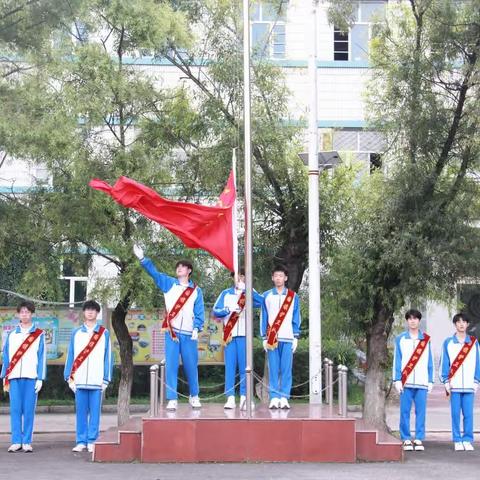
{"x": 248, "y": 207}
{"x": 314, "y": 304}
{"x": 234, "y": 216}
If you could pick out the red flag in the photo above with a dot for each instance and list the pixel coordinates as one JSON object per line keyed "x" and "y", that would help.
{"x": 197, "y": 226}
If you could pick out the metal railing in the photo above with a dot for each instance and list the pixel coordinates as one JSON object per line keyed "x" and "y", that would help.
{"x": 158, "y": 387}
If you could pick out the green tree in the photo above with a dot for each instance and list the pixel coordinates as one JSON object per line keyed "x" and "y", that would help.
{"x": 76, "y": 113}
{"x": 410, "y": 233}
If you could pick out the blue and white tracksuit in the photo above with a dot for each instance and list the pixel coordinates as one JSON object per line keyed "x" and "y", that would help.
{"x": 235, "y": 350}
{"x": 462, "y": 385}
{"x": 416, "y": 387}
{"x": 190, "y": 316}
{"x": 280, "y": 359}
{"x": 91, "y": 375}
{"x": 30, "y": 368}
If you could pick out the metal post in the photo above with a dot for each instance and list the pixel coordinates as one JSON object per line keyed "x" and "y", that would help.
{"x": 248, "y": 207}
{"x": 314, "y": 304}
{"x": 325, "y": 376}
{"x": 345, "y": 391}
{"x": 330, "y": 385}
{"x": 162, "y": 383}
{"x": 153, "y": 390}
{"x": 342, "y": 390}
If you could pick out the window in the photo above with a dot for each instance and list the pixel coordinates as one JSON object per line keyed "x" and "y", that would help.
{"x": 268, "y": 30}
{"x": 340, "y": 44}
{"x": 353, "y": 45}
{"x": 375, "y": 162}
{"x": 75, "y": 277}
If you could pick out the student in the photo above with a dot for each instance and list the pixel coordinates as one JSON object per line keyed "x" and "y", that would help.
{"x": 88, "y": 371}
{"x": 183, "y": 321}
{"x": 460, "y": 373}
{"x": 23, "y": 372}
{"x": 229, "y": 306}
{"x": 413, "y": 377}
{"x": 280, "y": 329}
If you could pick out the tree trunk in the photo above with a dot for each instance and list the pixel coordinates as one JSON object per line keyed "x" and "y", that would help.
{"x": 126, "y": 359}
{"x": 377, "y": 361}
{"x": 294, "y": 257}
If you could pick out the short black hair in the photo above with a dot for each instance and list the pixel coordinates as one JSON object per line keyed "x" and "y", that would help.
{"x": 185, "y": 263}
{"x": 241, "y": 271}
{"x": 91, "y": 305}
{"x": 460, "y": 316}
{"x": 280, "y": 268}
{"x": 26, "y": 304}
{"x": 413, "y": 313}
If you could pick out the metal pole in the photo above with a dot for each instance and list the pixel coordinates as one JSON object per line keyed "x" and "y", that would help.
{"x": 248, "y": 206}
{"x": 330, "y": 385}
{"x": 162, "y": 383}
{"x": 345, "y": 391}
{"x": 314, "y": 306}
{"x": 153, "y": 390}
{"x": 340, "y": 389}
{"x": 325, "y": 375}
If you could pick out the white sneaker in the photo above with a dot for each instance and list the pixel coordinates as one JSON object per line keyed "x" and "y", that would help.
{"x": 172, "y": 405}
{"x": 468, "y": 446}
{"x": 274, "y": 403}
{"x": 90, "y": 447}
{"x": 27, "y": 448}
{"x": 418, "y": 446}
{"x": 14, "y": 447}
{"x": 243, "y": 403}
{"x": 79, "y": 447}
{"x": 407, "y": 446}
{"x": 458, "y": 446}
{"x": 284, "y": 403}
{"x": 194, "y": 402}
{"x": 230, "y": 404}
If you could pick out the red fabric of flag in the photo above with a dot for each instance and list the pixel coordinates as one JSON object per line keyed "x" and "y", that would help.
{"x": 197, "y": 226}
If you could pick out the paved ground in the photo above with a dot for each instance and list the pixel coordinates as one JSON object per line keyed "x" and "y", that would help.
{"x": 54, "y": 438}
{"x": 53, "y": 460}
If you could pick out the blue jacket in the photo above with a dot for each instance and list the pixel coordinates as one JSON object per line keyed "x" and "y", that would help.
{"x": 423, "y": 373}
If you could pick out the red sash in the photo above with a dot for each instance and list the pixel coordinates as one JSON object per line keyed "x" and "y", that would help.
{"x": 82, "y": 356}
{"x": 26, "y": 344}
{"x": 232, "y": 321}
{"x": 460, "y": 358}
{"x": 272, "y": 330}
{"x": 417, "y": 353}
{"x": 181, "y": 301}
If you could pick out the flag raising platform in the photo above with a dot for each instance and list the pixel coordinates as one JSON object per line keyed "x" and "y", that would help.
{"x": 305, "y": 433}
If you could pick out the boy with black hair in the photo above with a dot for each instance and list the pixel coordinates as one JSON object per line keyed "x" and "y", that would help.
{"x": 88, "y": 371}
{"x": 413, "y": 377}
{"x": 460, "y": 373}
{"x": 230, "y": 307}
{"x": 23, "y": 371}
{"x": 280, "y": 329}
{"x": 184, "y": 319}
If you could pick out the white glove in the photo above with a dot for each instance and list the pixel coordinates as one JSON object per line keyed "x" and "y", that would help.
{"x": 447, "y": 387}
{"x": 38, "y": 385}
{"x": 138, "y": 251}
{"x": 265, "y": 345}
{"x": 475, "y": 387}
{"x": 399, "y": 386}
{"x": 72, "y": 386}
{"x": 194, "y": 334}
{"x": 429, "y": 388}
{"x": 104, "y": 386}
{"x": 237, "y": 309}
{"x": 294, "y": 345}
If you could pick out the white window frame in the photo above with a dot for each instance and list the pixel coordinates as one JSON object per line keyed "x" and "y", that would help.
{"x": 269, "y": 49}
{"x": 370, "y": 26}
